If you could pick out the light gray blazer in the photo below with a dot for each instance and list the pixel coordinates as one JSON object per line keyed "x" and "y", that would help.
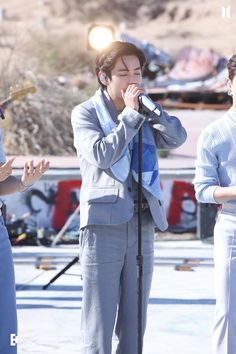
{"x": 104, "y": 199}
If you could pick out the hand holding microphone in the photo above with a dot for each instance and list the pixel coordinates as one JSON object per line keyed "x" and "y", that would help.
{"x": 130, "y": 96}
{"x": 135, "y": 97}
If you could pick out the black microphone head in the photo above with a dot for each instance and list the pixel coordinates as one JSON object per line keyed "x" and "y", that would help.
{"x": 140, "y": 97}
{"x": 145, "y": 100}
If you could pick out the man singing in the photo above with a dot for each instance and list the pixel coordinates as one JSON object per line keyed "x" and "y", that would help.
{"x": 105, "y": 137}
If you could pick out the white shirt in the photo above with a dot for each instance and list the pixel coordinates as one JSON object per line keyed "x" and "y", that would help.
{"x": 216, "y": 158}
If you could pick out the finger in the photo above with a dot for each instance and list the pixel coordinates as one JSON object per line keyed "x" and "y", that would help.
{"x": 135, "y": 92}
{"x": 5, "y": 171}
{"x": 3, "y": 166}
{"x": 38, "y": 165}
{"x": 138, "y": 93}
{"x": 25, "y": 171}
{"x": 31, "y": 167}
{"x": 129, "y": 89}
{"x": 42, "y": 165}
{"x": 39, "y": 168}
{"x": 11, "y": 160}
{"x": 26, "y": 168}
{"x": 8, "y": 163}
{"x": 133, "y": 87}
{"x": 46, "y": 166}
{"x": 7, "y": 166}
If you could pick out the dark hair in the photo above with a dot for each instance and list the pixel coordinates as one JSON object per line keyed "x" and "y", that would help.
{"x": 106, "y": 59}
{"x": 232, "y": 67}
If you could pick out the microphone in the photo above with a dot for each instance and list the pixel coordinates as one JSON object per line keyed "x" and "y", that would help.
{"x": 145, "y": 100}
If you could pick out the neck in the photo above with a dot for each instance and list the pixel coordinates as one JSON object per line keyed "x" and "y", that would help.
{"x": 119, "y": 104}
{"x": 117, "y": 101}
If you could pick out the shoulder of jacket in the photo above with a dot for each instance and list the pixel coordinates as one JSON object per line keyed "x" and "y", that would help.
{"x": 83, "y": 108}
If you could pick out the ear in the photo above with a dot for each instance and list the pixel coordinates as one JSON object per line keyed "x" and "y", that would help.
{"x": 229, "y": 84}
{"x": 103, "y": 78}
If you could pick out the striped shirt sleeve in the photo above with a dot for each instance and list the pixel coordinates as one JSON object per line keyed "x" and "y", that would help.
{"x": 206, "y": 177}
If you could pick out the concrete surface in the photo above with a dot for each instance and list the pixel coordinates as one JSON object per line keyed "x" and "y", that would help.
{"x": 180, "y": 312}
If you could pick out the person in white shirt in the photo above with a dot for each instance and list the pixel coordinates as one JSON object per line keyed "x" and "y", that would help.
{"x": 215, "y": 182}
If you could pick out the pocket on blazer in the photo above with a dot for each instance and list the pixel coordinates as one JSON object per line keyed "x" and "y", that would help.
{"x": 102, "y": 195}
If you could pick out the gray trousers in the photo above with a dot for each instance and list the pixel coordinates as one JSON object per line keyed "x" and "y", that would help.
{"x": 224, "y": 331}
{"x": 108, "y": 259}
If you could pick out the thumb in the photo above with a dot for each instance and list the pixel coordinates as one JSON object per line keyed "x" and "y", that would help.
{"x": 9, "y": 162}
{"x": 12, "y": 160}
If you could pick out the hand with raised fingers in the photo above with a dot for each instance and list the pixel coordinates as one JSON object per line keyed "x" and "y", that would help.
{"x": 130, "y": 96}
{"x": 32, "y": 173}
{"x": 6, "y": 169}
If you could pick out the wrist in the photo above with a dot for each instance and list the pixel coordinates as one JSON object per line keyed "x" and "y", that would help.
{"x": 23, "y": 187}
{"x": 133, "y": 107}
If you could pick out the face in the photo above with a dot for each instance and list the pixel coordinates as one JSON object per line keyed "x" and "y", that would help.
{"x": 126, "y": 71}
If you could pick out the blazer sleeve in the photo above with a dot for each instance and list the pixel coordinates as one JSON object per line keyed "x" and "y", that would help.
{"x": 168, "y": 130}
{"x": 90, "y": 141}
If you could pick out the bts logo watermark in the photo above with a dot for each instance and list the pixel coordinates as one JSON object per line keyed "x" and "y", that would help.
{"x": 225, "y": 11}
{"x": 13, "y": 340}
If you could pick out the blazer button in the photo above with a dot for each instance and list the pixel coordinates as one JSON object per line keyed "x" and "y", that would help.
{"x": 129, "y": 189}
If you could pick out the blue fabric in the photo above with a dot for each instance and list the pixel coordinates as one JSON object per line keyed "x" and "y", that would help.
{"x": 2, "y": 155}
{"x": 8, "y": 318}
{"x": 150, "y": 172}
{"x": 121, "y": 169}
